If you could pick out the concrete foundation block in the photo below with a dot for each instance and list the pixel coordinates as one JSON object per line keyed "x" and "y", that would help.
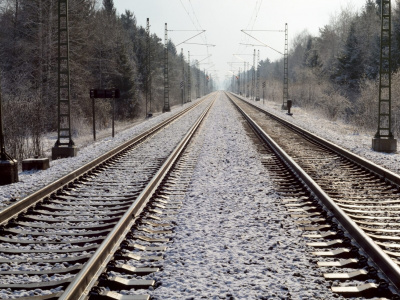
{"x": 384, "y": 145}
{"x": 63, "y": 152}
{"x": 35, "y": 164}
{"x": 8, "y": 171}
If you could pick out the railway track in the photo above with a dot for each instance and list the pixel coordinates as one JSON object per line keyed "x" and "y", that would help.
{"x": 56, "y": 243}
{"x": 348, "y": 207}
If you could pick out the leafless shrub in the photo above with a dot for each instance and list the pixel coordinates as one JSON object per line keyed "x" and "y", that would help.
{"x": 332, "y": 104}
{"x": 24, "y": 122}
{"x": 366, "y": 106}
{"x": 395, "y": 103}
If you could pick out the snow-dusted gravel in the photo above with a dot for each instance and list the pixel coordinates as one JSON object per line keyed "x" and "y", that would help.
{"x": 338, "y": 132}
{"x": 137, "y": 166}
{"x": 233, "y": 239}
{"x": 30, "y": 181}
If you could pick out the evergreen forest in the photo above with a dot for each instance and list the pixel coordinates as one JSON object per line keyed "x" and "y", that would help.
{"x": 336, "y": 73}
{"x": 106, "y": 50}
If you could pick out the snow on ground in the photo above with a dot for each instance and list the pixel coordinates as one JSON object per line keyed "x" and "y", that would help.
{"x": 233, "y": 238}
{"x": 345, "y": 135}
{"x": 30, "y": 181}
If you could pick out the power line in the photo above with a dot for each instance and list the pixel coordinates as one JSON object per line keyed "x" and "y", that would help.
{"x": 194, "y": 13}
{"x": 257, "y": 12}
{"x": 184, "y": 7}
{"x": 252, "y": 21}
{"x": 203, "y": 37}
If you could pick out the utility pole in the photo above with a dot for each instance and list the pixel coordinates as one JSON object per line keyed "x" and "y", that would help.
{"x": 238, "y": 82}
{"x": 198, "y": 80}
{"x": 166, "y": 79}
{"x": 64, "y": 146}
{"x": 384, "y": 140}
{"x": 248, "y": 84}
{"x": 148, "y": 77}
{"x": 205, "y": 82}
{"x": 285, "y": 63}
{"x": 183, "y": 77}
{"x": 285, "y": 71}
{"x": 189, "y": 80}
{"x": 258, "y": 78}
{"x": 253, "y": 78}
{"x": 244, "y": 79}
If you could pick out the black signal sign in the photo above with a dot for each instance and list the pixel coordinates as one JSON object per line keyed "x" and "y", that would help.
{"x": 107, "y": 93}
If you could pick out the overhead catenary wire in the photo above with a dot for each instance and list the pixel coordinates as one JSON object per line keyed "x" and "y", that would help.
{"x": 196, "y": 23}
{"x": 251, "y": 24}
{"x": 195, "y": 16}
{"x": 184, "y": 7}
{"x": 254, "y": 16}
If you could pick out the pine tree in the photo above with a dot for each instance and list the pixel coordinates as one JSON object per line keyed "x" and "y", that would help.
{"x": 311, "y": 59}
{"x": 368, "y": 35}
{"x": 109, "y": 7}
{"x": 349, "y": 64}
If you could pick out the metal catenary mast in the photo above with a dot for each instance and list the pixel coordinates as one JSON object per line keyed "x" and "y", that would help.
{"x": 285, "y": 70}
{"x": 238, "y": 80}
{"x": 64, "y": 146}
{"x": 183, "y": 76}
{"x": 253, "y": 76}
{"x": 198, "y": 80}
{"x": 384, "y": 140}
{"x": 244, "y": 78}
{"x": 148, "y": 65}
{"x": 189, "y": 80}
{"x": 166, "y": 79}
{"x": 258, "y": 77}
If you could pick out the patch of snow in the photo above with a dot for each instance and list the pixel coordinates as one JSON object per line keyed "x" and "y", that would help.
{"x": 233, "y": 238}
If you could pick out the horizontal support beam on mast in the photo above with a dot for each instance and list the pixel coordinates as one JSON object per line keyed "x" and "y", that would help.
{"x": 261, "y": 42}
{"x": 266, "y": 30}
{"x": 209, "y": 45}
{"x": 185, "y": 30}
{"x": 191, "y": 38}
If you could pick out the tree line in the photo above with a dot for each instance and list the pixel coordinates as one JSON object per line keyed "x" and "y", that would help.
{"x": 106, "y": 50}
{"x": 336, "y": 73}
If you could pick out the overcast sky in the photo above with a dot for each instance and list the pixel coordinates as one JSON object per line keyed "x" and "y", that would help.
{"x": 223, "y": 21}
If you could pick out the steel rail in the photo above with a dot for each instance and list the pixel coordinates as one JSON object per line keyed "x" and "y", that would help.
{"x": 85, "y": 279}
{"x": 30, "y": 200}
{"x": 380, "y": 171}
{"x": 382, "y": 261}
